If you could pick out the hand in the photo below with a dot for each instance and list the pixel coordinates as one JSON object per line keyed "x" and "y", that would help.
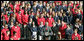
{"x": 18, "y": 38}
{"x": 11, "y": 38}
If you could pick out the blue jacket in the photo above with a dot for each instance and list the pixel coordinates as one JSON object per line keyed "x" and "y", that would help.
{"x": 64, "y": 8}
{"x": 80, "y": 30}
{"x": 65, "y": 19}
{"x": 70, "y": 18}
{"x": 40, "y": 8}
{"x": 68, "y": 33}
{"x": 56, "y": 18}
{"x": 34, "y": 29}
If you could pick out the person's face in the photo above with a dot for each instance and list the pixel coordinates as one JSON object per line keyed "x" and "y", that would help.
{"x": 16, "y": 23}
{"x": 61, "y": 10}
{"x": 41, "y": 15}
{"x": 44, "y": 3}
{"x": 11, "y": 23}
{"x": 2, "y": 14}
{"x": 53, "y": 4}
{"x": 75, "y": 31}
{"x": 58, "y": 21}
{"x": 6, "y": 26}
{"x": 7, "y": 12}
{"x": 50, "y": 16}
{"x": 62, "y": 23}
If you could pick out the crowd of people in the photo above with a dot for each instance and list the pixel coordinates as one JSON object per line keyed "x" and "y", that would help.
{"x": 41, "y": 20}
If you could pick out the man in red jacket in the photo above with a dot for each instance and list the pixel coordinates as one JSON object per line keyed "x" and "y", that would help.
{"x": 50, "y": 20}
{"x": 11, "y": 5}
{"x": 7, "y": 35}
{"x": 4, "y": 30}
{"x": 16, "y": 28}
{"x": 6, "y": 16}
{"x": 25, "y": 22}
{"x": 25, "y": 18}
{"x": 15, "y": 37}
{"x": 62, "y": 29}
{"x": 42, "y": 19}
{"x": 17, "y": 6}
{"x": 75, "y": 35}
{"x": 18, "y": 17}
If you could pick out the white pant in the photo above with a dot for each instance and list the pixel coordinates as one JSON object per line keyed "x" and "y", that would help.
{"x": 35, "y": 36}
{"x": 40, "y": 37}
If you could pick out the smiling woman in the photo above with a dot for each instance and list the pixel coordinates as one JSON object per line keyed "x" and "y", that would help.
{"x": 41, "y": 20}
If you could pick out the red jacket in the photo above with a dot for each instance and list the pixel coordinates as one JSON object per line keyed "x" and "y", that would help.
{"x": 5, "y": 34}
{"x": 19, "y": 18}
{"x": 22, "y": 12}
{"x": 6, "y": 37}
{"x": 17, "y": 30}
{"x": 25, "y": 19}
{"x": 41, "y": 20}
{"x": 11, "y": 6}
{"x": 62, "y": 30}
{"x": 17, "y": 7}
{"x": 74, "y": 36}
{"x": 81, "y": 12}
{"x": 38, "y": 20}
{"x": 74, "y": 13}
{"x": 50, "y": 21}
{"x": 6, "y": 18}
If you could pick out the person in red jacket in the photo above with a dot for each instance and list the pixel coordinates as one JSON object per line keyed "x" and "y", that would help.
{"x": 18, "y": 17}
{"x": 22, "y": 11}
{"x": 50, "y": 21}
{"x": 11, "y": 5}
{"x": 75, "y": 35}
{"x": 16, "y": 28}
{"x": 15, "y": 37}
{"x": 41, "y": 19}
{"x": 17, "y": 6}
{"x": 6, "y": 16}
{"x": 62, "y": 29}
{"x": 7, "y": 35}
{"x": 4, "y": 31}
{"x": 25, "y": 18}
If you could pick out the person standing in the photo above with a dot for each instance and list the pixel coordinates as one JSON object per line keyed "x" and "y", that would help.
{"x": 50, "y": 20}
{"x": 34, "y": 31}
{"x": 4, "y": 30}
{"x": 16, "y": 28}
{"x": 75, "y": 35}
{"x": 47, "y": 32}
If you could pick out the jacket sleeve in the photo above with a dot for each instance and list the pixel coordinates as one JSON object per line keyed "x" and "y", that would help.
{"x": 72, "y": 37}
{"x": 19, "y": 33}
{"x": 79, "y": 38}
